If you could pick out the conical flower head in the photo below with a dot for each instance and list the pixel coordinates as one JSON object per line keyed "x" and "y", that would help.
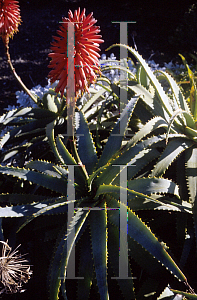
{"x": 86, "y": 54}
{"x": 9, "y": 19}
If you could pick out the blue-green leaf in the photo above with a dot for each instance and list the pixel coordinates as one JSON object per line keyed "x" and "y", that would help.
{"x": 174, "y": 148}
{"x": 51, "y": 138}
{"x": 94, "y": 98}
{"x": 126, "y": 284}
{"x": 191, "y": 173}
{"x": 153, "y": 186}
{"x": 84, "y": 285}
{"x": 53, "y": 183}
{"x": 163, "y": 98}
{"x": 47, "y": 168}
{"x": 45, "y": 209}
{"x": 69, "y": 160}
{"x": 142, "y": 77}
{"x": 138, "y": 231}
{"x": 86, "y": 147}
{"x": 98, "y": 228}
{"x": 188, "y": 295}
{"x": 115, "y": 139}
{"x": 60, "y": 260}
{"x": 26, "y": 210}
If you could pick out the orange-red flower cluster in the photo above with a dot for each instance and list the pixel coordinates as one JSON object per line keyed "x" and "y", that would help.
{"x": 86, "y": 50}
{"x": 9, "y": 19}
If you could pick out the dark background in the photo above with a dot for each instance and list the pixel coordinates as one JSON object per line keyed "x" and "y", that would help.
{"x": 163, "y": 29}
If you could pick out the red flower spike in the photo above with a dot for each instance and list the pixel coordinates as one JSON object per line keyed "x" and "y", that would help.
{"x": 86, "y": 54}
{"x": 9, "y": 19}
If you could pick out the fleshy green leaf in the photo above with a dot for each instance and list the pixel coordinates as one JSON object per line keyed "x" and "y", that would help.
{"x": 53, "y": 183}
{"x": 93, "y": 99}
{"x": 115, "y": 139}
{"x": 69, "y": 160}
{"x": 61, "y": 256}
{"x": 188, "y": 295}
{"x": 85, "y": 268}
{"x": 127, "y": 284}
{"x": 180, "y": 100}
{"x": 153, "y": 124}
{"x": 26, "y": 210}
{"x": 153, "y": 186}
{"x": 47, "y": 208}
{"x": 142, "y": 77}
{"x": 157, "y": 86}
{"x": 171, "y": 152}
{"x": 191, "y": 173}
{"x": 86, "y": 147}
{"x": 26, "y": 112}
{"x": 64, "y": 153}
{"x": 138, "y": 231}
{"x": 98, "y": 228}
{"x": 47, "y": 168}
{"x": 50, "y": 135}
{"x": 105, "y": 189}
{"x": 125, "y": 157}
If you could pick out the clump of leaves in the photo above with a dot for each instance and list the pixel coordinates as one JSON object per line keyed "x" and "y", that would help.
{"x": 95, "y": 195}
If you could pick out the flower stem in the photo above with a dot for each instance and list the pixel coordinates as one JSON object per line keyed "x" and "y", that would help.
{"x": 71, "y": 130}
{"x": 17, "y": 77}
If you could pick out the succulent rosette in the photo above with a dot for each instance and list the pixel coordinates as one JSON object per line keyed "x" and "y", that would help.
{"x": 9, "y": 19}
{"x": 86, "y": 50}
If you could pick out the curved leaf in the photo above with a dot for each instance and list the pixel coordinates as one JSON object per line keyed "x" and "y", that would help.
{"x": 64, "y": 153}
{"x": 26, "y": 112}
{"x": 53, "y": 183}
{"x": 28, "y": 210}
{"x": 117, "y": 134}
{"x": 46, "y": 209}
{"x": 189, "y": 120}
{"x": 84, "y": 285}
{"x": 150, "y": 100}
{"x": 188, "y": 295}
{"x": 172, "y": 150}
{"x": 25, "y": 131}
{"x": 86, "y": 147}
{"x": 153, "y": 124}
{"x": 191, "y": 173}
{"x": 127, "y": 284}
{"x": 98, "y": 229}
{"x": 106, "y": 189}
{"x": 94, "y": 98}
{"x": 128, "y": 157}
{"x": 47, "y": 168}
{"x": 180, "y": 100}
{"x": 153, "y": 186}
{"x": 158, "y": 88}
{"x": 69, "y": 160}
{"x": 61, "y": 256}
{"x": 142, "y": 77}
{"x": 138, "y": 231}
{"x": 50, "y": 135}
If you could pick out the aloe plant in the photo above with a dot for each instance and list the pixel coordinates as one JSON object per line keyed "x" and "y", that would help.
{"x": 95, "y": 194}
{"x": 171, "y": 120}
{"x": 105, "y": 177}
